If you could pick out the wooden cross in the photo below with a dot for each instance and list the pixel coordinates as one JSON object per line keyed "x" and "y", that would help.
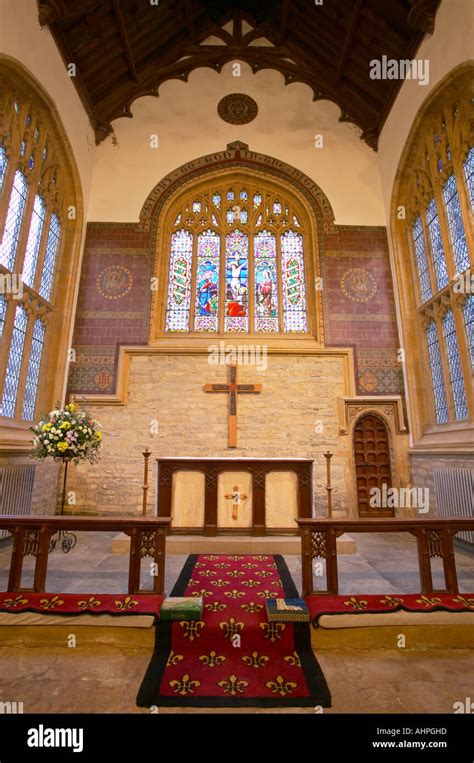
{"x": 233, "y": 389}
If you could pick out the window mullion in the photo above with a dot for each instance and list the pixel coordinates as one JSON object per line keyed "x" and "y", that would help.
{"x": 251, "y": 282}
{"x": 280, "y": 281}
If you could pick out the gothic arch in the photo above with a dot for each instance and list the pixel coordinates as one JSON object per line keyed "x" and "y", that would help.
{"x": 237, "y": 156}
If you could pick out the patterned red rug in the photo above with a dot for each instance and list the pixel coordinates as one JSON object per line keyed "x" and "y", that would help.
{"x": 233, "y": 657}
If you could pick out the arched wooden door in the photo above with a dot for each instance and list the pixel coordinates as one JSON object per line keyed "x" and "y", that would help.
{"x": 372, "y": 462}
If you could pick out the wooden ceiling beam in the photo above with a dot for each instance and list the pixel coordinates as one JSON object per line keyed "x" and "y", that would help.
{"x": 188, "y": 9}
{"x": 125, "y": 41}
{"x": 285, "y": 15}
{"x": 348, "y": 41}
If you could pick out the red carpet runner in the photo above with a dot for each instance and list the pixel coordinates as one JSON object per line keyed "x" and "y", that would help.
{"x": 233, "y": 657}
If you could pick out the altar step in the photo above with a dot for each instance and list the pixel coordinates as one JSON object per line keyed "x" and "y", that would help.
{"x": 230, "y": 544}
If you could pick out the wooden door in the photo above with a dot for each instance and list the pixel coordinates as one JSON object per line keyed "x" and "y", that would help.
{"x": 372, "y": 462}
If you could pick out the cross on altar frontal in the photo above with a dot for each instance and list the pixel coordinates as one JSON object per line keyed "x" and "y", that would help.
{"x": 233, "y": 389}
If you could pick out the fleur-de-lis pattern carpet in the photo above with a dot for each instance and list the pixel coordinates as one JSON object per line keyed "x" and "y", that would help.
{"x": 233, "y": 656}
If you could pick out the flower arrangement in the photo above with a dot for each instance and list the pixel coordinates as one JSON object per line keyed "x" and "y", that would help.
{"x": 67, "y": 434}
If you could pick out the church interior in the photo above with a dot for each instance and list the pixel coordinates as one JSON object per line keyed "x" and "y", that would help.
{"x": 236, "y": 359}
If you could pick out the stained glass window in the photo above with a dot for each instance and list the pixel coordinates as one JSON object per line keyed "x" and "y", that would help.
{"x": 206, "y": 314}
{"x": 468, "y": 311}
{"x": 236, "y": 282}
{"x": 421, "y": 260}
{"x": 455, "y": 223}
{"x": 455, "y": 368}
{"x": 3, "y": 310}
{"x": 12, "y": 377}
{"x": 266, "y": 283}
{"x": 16, "y": 207}
{"x": 3, "y": 165}
{"x": 32, "y": 375}
{"x": 469, "y": 175}
{"x": 34, "y": 240}
{"x": 179, "y": 282}
{"x": 52, "y": 246}
{"x": 237, "y": 266}
{"x": 437, "y": 380}
{"x": 439, "y": 262}
{"x": 294, "y": 297}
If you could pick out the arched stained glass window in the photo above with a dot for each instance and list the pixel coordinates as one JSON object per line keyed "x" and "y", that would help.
{"x": 237, "y": 262}
{"x": 31, "y": 207}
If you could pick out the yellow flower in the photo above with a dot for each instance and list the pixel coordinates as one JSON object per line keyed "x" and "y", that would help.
{"x": 65, "y": 425}
{"x": 62, "y": 446}
{"x": 98, "y": 435}
{"x": 71, "y": 407}
{"x": 46, "y": 427}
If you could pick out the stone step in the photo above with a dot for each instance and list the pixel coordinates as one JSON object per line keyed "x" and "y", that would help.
{"x": 231, "y": 544}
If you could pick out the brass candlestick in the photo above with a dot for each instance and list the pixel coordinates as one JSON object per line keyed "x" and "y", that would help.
{"x": 146, "y": 455}
{"x": 328, "y": 457}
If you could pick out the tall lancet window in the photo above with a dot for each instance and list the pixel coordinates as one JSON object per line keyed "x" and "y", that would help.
{"x": 436, "y": 244}
{"x": 31, "y": 224}
{"x": 237, "y": 262}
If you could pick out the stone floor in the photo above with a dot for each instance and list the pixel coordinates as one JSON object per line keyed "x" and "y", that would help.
{"x": 92, "y": 680}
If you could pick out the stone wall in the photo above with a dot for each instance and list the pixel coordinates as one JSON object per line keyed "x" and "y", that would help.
{"x": 298, "y": 400}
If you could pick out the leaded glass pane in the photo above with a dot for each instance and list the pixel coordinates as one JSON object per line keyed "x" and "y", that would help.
{"x": 439, "y": 262}
{"x": 12, "y": 376}
{"x": 34, "y": 240}
{"x": 469, "y": 174}
{"x": 3, "y": 310}
{"x": 16, "y": 208}
{"x": 421, "y": 260}
{"x": 52, "y": 246}
{"x": 455, "y": 223}
{"x": 3, "y": 165}
{"x": 206, "y": 315}
{"x": 455, "y": 368}
{"x": 179, "y": 281}
{"x": 437, "y": 379}
{"x": 468, "y": 312}
{"x": 293, "y": 282}
{"x": 266, "y": 282}
{"x": 236, "y": 282}
{"x": 32, "y": 375}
